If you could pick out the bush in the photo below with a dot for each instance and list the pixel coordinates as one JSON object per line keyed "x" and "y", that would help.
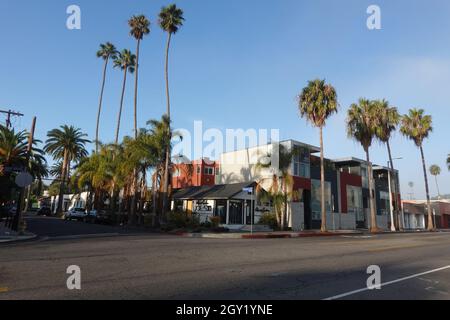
{"x": 269, "y": 219}
{"x": 183, "y": 220}
{"x": 215, "y": 222}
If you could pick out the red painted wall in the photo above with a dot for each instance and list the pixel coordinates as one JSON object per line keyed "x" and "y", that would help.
{"x": 348, "y": 179}
{"x": 196, "y": 179}
{"x": 302, "y": 183}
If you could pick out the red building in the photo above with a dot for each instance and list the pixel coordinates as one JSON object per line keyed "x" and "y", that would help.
{"x": 197, "y": 173}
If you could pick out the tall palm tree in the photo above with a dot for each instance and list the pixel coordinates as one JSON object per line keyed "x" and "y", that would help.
{"x": 69, "y": 144}
{"x": 107, "y": 51}
{"x": 170, "y": 20}
{"x": 388, "y": 121}
{"x": 448, "y": 161}
{"x": 417, "y": 126}
{"x": 139, "y": 27}
{"x": 126, "y": 61}
{"x": 361, "y": 126}
{"x": 317, "y": 102}
{"x": 435, "y": 171}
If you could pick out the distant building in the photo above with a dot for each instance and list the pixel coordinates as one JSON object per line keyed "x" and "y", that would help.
{"x": 196, "y": 173}
{"x": 416, "y": 214}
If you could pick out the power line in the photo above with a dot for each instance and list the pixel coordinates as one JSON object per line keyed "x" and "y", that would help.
{"x": 9, "y": 114}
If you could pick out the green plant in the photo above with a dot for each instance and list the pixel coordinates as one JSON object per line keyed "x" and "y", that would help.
{"x": 215, "y": 221}
{"x": 269, "y": 219}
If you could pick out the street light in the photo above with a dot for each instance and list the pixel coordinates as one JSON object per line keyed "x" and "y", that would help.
{"x": 391, "y": 205}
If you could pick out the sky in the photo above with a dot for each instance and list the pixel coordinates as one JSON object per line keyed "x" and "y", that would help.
{"x": 235, "y": 64}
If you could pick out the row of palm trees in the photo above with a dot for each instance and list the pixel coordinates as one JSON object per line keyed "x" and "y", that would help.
{"x": 170, "y": 20}
{"x": 367, "y": 120}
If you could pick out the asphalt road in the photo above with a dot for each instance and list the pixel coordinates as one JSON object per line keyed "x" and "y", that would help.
{"x": 56, "y": 228}
{"x": 166, "y": 267}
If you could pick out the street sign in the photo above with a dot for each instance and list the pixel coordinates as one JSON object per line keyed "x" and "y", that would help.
{"x": 24, "y": 179}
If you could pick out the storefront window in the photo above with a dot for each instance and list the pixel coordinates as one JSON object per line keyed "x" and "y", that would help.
{"x": 385, "y": 208}
{"x": 355, "y": 202}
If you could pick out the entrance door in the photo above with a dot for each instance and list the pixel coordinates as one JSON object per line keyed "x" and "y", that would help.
{"x": 248, "y": 214}
{"x": 236, "y": 213}
{"x": 221, "y": 211}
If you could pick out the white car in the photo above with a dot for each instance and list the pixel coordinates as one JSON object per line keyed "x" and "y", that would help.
{"x": 75, "y": 214}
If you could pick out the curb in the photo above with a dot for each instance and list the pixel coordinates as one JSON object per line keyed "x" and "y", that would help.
{"x": 18, "y": 239}
{"x": 264, "y": 236}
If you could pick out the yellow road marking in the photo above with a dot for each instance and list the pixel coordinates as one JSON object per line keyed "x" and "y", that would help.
{"x": 3, "y": 290}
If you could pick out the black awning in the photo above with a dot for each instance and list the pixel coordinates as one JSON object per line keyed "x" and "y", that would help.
{"x": 217, "y": 192}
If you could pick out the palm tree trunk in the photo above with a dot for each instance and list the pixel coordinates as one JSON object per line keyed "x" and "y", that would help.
{"x": 394, "y": 187}
{"x": 121, "y": 105}
{"x": 100, "y": 105}
{"x": 136, "y": 81}
{"x": 373, "y": 215}
{"x": 62, "y": 184}
{"x": 322, "y": 184}
{"x": 437, "y": 187}
{"x": 427, "y": 189}
{"x": 167, "y": 163}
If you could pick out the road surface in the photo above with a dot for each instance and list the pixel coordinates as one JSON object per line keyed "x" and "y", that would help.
{"x": 150, "y": 266}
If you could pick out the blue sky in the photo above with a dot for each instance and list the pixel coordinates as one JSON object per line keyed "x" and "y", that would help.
{"x": 235, "y": 64}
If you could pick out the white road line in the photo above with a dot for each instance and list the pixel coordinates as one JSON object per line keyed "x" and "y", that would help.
{"x": 386, "y": 284}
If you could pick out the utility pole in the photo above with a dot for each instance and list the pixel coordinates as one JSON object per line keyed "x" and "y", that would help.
{"x": 10, "y": 113}
{"x": 20, "y": 226}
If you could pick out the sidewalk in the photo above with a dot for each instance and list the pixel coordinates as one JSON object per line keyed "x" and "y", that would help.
{"x": 291, "y": 234}
{"x": 270, "y": 235}
{"x": 7, "y": 235}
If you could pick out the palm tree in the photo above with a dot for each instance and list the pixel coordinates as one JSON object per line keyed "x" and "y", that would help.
{"x": 107, "y": 51}
{"x": 417, "y": 126}
{"x": 66, "y": 143}
{"x": 170, "y": 20}
{"x": 282, "y": 183}
{"x": 139, "y": 27}
{"x": 361, "y": 126}
{"x": 388, "y": 121}
{"x": 14, "y": 153}
{"x": 126, "y": 61}
{"x": 448, "y": 161}
{"x": 317, "y": 102}
{"x": 96, "y": 172}
{"x": 435, "y": 171}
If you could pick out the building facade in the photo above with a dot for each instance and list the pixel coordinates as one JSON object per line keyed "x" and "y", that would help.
{"x": 346, "y": 185}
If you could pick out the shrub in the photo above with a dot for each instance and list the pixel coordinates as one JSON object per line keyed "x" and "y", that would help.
{"x": 269, "y": 219}
{"x": 178, "y": 219}
{"x": 215, "y": 222}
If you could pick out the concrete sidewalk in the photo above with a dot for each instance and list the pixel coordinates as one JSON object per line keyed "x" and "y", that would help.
{"x": 269, "y": 235}
{"x": 7, "y": 235}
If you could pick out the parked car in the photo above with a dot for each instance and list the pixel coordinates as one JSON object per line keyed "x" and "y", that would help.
{"x": 91, "y": 217}
{"x": 44, "y": 211}
{"x": 75, "y": 214}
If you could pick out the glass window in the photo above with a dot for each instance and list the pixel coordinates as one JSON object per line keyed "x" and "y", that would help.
{"x": 355, "y": 202}
{"x": 316, "y": 199}
{"x": 208, "y": 171}
{"x": 302, "y": 163}
{"x": 384, "y": 203}
{"x": 365, "y": 177}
